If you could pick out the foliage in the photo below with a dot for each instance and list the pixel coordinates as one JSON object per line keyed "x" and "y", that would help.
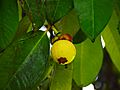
{"x": 25, "y": 56}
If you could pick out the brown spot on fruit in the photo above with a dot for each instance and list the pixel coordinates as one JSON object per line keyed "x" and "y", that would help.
{"x": 62, "y": 60}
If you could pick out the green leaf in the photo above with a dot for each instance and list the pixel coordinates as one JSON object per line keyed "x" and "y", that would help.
{"x": 56, "y": 9}
{"x": 87, "y": 62}
{"x": 43, "y": 83}
{"x": 75, "y": 86}
{"x": 19, "y": 10}
{"x": 9, "y": 19}
{"x": 79, "y": 37}
{"x": 62, "y": 78}
{"x": 111, "y": 37}
{"x": 24, "y": 62}
{"x": 49, "y": 68}
{"x": 93, "y": 15}
{"x": 117, "y": 10}
{"x": 36, "y": 12}
{"x": 23, "y": 26}
{"x": 117, "y": 7}
{"x": 68, "y": 24}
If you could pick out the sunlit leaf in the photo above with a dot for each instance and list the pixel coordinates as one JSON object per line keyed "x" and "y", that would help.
{"x": 88, "y": 62}
{"x": 112, "y": 40}
{"x": 62, "y": 78}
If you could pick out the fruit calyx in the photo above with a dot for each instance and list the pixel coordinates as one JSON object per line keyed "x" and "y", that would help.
{"x": 60, "y": 36}
{"x": 65, "y": 37}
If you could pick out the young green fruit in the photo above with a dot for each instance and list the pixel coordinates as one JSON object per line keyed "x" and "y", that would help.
{"x": 63, "y": 52}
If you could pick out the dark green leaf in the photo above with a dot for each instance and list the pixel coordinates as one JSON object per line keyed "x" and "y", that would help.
{"x": 112, "y": 40}
{"x": 87, "y": 62}
{"x": 79, "y": 37}
{"x": 117, "y": 7}
{"x": 48, "y": 69}
{"x": 43, "y": 83}
{"x": 36, "y": 12}
{"x": 117, "y": 10}
{"x": 75, "y": 86}
{"x": 22, "y": 28}
{"x": 93, "y": 15}
{"x": 68, "y": 24}
{"x": 23, "y": 63}
{"x": 62, "y": 78}
{"x": 9, "y": 19}
{"x": 56, "y": 9}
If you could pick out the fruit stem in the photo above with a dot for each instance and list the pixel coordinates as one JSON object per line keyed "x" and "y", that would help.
{"x": 54, "y": 29}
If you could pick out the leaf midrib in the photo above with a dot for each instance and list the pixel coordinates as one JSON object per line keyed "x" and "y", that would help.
{"x": 22, "y": 64}
{"x": 93, "y": 19}
{"x": 56, "y": 9}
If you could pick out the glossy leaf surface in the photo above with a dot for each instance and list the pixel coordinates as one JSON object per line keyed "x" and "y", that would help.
{"x": 35, "y": 12}
{"x": 93, "y": 15}
{"x": 9, "y": 19}
{"x": 24, "y": 62}
{"x": 56, "y": 9}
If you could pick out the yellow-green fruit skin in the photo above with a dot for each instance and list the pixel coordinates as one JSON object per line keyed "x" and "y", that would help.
{"x": 63, "y": 49}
